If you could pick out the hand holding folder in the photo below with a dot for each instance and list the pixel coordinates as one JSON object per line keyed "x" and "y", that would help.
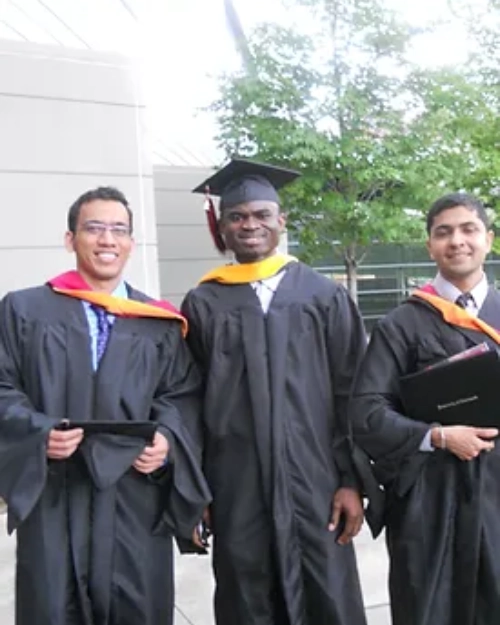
{"x": 462, "y": 390}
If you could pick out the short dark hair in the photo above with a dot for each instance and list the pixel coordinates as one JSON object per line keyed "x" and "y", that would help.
{"x": 101, "y": 193}
{"x": 452, "y": 200}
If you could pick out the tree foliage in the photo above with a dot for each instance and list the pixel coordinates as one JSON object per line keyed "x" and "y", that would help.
{"x": 375, "y": 138}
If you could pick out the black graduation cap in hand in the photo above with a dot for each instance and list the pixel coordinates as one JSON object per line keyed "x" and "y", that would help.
{"x": 242, "y": 181}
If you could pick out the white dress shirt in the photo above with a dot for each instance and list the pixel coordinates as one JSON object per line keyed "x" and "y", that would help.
{"x": 449, "y": 291}
{"x": 265, "y": 289}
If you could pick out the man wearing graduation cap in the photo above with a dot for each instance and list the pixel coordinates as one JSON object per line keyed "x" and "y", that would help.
{"x": 278, "y": 344}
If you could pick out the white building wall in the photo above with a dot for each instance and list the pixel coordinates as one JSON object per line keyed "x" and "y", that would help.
{"x": 70, "y": 120}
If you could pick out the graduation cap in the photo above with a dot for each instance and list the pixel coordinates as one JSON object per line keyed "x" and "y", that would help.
{"x": 242, "y": 181}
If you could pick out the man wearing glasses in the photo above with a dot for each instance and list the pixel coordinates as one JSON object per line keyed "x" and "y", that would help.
{"x": 95, "y": 504}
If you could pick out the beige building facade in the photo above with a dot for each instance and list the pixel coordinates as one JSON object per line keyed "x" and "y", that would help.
{"x": 185, "y": 248}
{"x": 74, "y": 82}
{"x": 70, "y": 120}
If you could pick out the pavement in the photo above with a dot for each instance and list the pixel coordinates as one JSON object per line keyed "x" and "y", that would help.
{"x": 195, "y": 586}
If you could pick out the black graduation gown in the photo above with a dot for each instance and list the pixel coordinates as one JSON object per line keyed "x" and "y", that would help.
{"x": 276, "y": 446}
{"x": 94, "y": 542}
{"x": 442, "y": 514}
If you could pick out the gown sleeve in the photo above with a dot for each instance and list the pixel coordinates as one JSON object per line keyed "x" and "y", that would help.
{"x": 389, "y": 438}
{"x": 191, "y": 310}
{"x": 177, "y": 409}
{"x": 23, "y": 430}
{"x": 346, "y": 342}
{"x": 376, "y": 411}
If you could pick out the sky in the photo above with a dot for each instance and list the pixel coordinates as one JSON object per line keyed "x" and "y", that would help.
{"x": 196, "y": 47}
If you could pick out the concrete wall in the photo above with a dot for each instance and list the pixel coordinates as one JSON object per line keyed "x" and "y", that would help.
{"x": 69, "y": 121}
{"x": 185, "y": 248}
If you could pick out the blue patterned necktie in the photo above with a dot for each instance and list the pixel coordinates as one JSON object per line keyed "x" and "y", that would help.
{"x": 103, "y": 329}
{"x": 463, "y": 299}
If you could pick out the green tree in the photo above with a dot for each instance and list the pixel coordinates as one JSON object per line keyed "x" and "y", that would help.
{"x": 481, "y": 19}
{"x": 475, "y": 121}
{"x": 365, "y": 128}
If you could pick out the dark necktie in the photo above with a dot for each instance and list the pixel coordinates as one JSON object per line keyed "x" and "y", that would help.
{"x": 463, "y": 299}
{"x": 103, "y": 328}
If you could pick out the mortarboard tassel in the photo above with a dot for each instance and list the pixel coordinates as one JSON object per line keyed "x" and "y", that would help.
{"x": 212, "y": 223}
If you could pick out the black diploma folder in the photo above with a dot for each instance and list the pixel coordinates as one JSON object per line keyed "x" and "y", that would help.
{"x": 457, "y": 392}
{"x": 135, "y": 429}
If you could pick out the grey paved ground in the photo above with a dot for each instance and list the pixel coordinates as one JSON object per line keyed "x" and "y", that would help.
{"x": 194, "y": 586}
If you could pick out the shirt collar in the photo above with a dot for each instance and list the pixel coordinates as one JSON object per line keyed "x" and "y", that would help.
{"x": 449, "y": 291}
{"x": 273, "y": 281}
{"x": 121, "y": 290}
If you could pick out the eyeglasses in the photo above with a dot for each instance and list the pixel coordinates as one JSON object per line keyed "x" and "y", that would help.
{"x": 97, "y": 229}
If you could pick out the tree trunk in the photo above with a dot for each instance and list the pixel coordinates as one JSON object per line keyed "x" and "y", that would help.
{"x": 351, "y": 268}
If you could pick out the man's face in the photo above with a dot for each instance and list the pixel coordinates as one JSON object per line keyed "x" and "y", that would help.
{"x": 102, "y": 241}
{"x": 252, "y": 230}
{"x": 458, "y": 243}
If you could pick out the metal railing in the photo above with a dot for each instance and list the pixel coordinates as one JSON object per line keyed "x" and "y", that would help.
{"x": 396, "y": 282}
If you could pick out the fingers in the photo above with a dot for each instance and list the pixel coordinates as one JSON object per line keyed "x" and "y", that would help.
{"x": 485, "y": 445}
{"x": 149, "y": 452}
{"x": 347, "y": 504}
{"x": 486, "y": 432}
{"x": 61, "y": 454}
{"x": 200, "y": 536}
{"x": 345, "y": 538}
{"x": 207, "y": 518}
{"x": 336, "y": 512}
{"x": 467, "y": 443}
{"x": 196, "y": 538}
{"x": 61, "y": 436}
{"x": 160, "y": 442}
{"x": 358, "y": 524}
{"x": 145, "y": 468}
{"x": 352, "y": 527}
{"x": 63, "y": 444}
{"x": 147, "y": 464}
{"x": 476, "y": 446}
{"x": 153, "y": 456}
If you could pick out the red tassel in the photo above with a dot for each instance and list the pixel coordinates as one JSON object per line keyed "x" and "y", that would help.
{"x": 212, "y": 224}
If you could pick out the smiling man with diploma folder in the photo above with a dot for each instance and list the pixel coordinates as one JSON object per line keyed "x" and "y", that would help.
{"x": 443, "y": 489}
{"x": 99, "y": 434}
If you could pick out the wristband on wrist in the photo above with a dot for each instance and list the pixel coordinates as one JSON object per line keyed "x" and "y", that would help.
{"x": 442, "y": 437}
